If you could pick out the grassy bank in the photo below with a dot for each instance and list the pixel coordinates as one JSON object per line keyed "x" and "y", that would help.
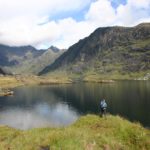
{"x": 14, "y": 81}
{"x": 92, "y": 76}
{"x": 88, "y": 133}
{"x": 9, "y": 82}
{"x": 96, "y": 77}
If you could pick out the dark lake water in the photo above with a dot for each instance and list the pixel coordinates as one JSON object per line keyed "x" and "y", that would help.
{"x": 61, "y": 105}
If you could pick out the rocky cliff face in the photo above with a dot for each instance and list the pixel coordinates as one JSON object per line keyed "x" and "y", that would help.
{"x": 108, "y": 50}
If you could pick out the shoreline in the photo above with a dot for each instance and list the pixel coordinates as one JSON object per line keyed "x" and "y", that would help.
{"x": 15, "y": 81}
{"x": 9, "y": 82}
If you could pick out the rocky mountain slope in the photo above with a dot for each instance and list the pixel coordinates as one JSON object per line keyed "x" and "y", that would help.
{"x": 108, "y": 51}
{"x": 2, "y": 72}
{"x": 26, "y": 59}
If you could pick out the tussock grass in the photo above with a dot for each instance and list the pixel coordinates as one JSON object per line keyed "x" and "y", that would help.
{"x": 9, "y": 82}
{"x": 90, "y": 132}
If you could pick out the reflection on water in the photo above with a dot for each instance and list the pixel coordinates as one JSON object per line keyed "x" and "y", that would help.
{"x": 40, "y": 115}
{"x": 60, "y": 105}
{"x": 32, "y": 107}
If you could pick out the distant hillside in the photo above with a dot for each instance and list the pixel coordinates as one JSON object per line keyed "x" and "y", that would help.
{"x": 108, "y": 50}
{"x": 26, "y": 59}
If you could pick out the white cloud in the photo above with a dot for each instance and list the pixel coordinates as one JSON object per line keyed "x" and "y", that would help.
{"x": 15, "y": 8}
{"x": 101, "y": 13}
{"x": 72, "y": 31}
{"x": 29, "y": 22}
{"x": 133, "y": 12}
{"x": 139, "y": 3}
{"x": 24, "y": 22}
{"x": 23, "y": 31}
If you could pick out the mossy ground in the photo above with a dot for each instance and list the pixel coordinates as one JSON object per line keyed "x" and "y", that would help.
{"x": 90, "y": 132}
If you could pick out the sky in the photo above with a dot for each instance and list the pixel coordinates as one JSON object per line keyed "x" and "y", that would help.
{"x": 42, "y": 23}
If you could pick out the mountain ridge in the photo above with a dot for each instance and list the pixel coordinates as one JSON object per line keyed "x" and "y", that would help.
{"x": 26, "y": 59}
{"x": 127, "y": 48}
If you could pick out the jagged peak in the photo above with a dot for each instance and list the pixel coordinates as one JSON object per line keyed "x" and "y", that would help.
{"x": 54, "y": 49}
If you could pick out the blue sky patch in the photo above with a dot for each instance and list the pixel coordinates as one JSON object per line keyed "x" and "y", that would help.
{"x": 116, "y": 3}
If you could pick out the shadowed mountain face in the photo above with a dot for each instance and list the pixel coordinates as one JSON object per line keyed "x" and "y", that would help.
{"x": 10, "y": 56}
{"x": 106, "y": 50}
{"x": 2, "y": 72}
{"x": 26, "y": 59}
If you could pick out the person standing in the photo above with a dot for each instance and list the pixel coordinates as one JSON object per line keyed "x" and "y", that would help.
{"x": 103, "y": 107}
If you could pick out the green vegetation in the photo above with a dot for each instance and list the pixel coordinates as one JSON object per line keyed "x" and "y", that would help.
{"x": 89, "y": 133}
{"x": 92, "y": 76}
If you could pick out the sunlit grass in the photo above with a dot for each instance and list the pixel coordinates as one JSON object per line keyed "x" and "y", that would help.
{"x": 8, "y": 81}
{"x": 89, "y": 131}
{"x": 12, "y": 81}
